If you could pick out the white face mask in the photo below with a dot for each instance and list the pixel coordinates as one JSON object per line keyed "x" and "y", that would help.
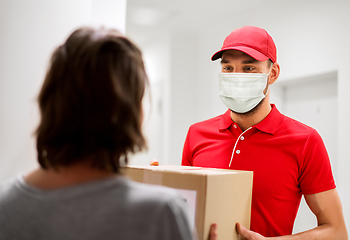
{"x": 241, "y": 92}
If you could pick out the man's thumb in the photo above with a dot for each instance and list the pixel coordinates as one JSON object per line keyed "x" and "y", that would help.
{"x": 154, "y": 162}
{"x": 242, "y": 230}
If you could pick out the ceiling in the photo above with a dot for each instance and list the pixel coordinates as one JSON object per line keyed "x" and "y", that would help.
{"x": 149, "y": 18}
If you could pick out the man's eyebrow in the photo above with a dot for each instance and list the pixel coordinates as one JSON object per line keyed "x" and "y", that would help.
{"x": 224, "y": 61}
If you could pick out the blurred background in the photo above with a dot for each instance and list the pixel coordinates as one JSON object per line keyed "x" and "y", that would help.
{"x": 177, "y": 39}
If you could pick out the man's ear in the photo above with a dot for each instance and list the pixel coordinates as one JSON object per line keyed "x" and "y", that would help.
{"x": 275, "y": 72}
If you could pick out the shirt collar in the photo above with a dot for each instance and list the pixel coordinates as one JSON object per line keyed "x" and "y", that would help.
{"x": 270, "y": 124}
{"x": 225, "y": 120}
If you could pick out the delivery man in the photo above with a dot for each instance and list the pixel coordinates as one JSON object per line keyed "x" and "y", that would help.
{"x": 288, "y": 158}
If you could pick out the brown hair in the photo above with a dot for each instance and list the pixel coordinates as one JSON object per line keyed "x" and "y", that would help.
{"x": 91, "y": 101}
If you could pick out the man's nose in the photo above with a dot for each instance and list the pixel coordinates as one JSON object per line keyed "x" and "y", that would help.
{"x": 236, "y": 70}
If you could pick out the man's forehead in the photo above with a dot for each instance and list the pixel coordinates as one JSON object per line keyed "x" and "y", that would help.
{"x": 235, "y": 54}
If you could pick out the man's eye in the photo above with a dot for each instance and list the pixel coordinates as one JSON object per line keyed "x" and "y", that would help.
{"x": 249, "y": 68}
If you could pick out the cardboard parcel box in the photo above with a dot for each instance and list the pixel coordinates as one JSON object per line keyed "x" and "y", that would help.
{"x": 214, "y": 195}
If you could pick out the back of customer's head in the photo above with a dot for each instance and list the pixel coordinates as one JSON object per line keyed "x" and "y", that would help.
{"x": 91, "y": 101}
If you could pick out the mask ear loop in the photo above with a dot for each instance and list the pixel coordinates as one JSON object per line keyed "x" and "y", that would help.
{"x": 267, "y": 82}
{"x": 268, "y": 89}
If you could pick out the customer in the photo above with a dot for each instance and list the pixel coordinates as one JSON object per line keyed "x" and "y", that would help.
{"x": 91, "y": 116}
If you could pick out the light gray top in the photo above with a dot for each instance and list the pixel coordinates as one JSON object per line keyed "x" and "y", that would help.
{"x": 115, "y": 208}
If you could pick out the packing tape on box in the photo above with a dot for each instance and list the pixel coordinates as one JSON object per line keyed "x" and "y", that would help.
{"x": 153, "y": 177}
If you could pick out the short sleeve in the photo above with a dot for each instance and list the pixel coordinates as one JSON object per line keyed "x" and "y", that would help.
{"x": 316, "y": 172}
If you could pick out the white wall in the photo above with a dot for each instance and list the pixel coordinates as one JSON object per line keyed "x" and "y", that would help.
{"x": 312, "y": 38}
{"x": 30, "y": 30}
{"x": 156, "y": 113}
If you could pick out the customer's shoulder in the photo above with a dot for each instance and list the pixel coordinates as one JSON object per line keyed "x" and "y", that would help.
{"x": 8, "y": 190}
{"x": 149, "y": 191}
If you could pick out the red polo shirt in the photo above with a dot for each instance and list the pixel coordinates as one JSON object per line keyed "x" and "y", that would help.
{"x": 287, "y": 157}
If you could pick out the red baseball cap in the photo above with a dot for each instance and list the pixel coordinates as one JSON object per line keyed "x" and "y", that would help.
{"x": 254, "y": 41}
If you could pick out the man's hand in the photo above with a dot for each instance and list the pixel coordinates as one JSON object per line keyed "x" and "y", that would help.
{"x": 247, "y": 234}
{"x": 213, "y": 233}
{"x": 154, "y": 162}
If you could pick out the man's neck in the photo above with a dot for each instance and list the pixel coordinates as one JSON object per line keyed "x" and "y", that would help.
{"x": 247, "y": 121}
